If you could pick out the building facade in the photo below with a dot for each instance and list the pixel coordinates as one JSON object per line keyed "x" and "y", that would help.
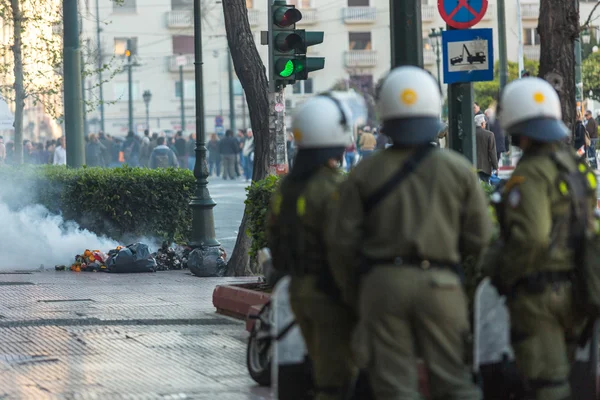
{"x": 356, "y": 47}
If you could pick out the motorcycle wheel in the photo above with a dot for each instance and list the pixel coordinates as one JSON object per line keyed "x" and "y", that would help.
{"x": 259, "y": 352}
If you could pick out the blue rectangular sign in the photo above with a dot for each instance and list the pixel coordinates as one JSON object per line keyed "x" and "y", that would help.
{"x": 468, "y": 55}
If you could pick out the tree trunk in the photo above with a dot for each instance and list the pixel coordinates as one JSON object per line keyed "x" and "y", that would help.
{"x": 558, "y": 28}
{"x": 19, "y": 88}
{"x": 252, "y": 75}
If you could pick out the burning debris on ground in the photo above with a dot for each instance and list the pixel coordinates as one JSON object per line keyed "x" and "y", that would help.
{"x": 133, "y": 258}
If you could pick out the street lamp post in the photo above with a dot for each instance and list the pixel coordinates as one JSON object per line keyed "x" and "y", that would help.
{"x": 147, "y": 97}
{"x": 207, "y": 255}
{"x": 436, "y": 34}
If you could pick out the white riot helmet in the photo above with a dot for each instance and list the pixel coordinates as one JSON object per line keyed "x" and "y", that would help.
{"x": 531, "y": 107}
{"x": 409, "y": 103}
{"x": 322, "y": 122}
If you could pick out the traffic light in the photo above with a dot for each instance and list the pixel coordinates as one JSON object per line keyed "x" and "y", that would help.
{"x": 288, "y": 45}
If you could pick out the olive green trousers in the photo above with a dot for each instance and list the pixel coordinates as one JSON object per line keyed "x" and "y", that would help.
{"x": 545, "y": 328}
{"x": 326, "y": 326}
{"x": 406, "y": 313}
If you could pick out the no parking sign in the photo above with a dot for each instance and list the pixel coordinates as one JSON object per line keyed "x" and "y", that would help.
{"x": 462, "y": 14}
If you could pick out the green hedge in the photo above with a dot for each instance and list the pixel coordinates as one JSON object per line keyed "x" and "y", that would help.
{"x": 257, "y": 205}
{"x": 121, "y": 203}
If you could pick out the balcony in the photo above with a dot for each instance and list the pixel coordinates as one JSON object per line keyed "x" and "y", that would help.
{"x": 531, "y": 52}
{"x": 428, "y": 13}
{"x": 361, "y": 58}
{"x": 180, "y": 19}
{"x": 309, "y": 16}
{"x": 359, "y": 15}
{"x": 253, "y": 17}
{"x": 428, "y": 57}
{"x": 187, "y": 67}
{"x": 530, "y": 11}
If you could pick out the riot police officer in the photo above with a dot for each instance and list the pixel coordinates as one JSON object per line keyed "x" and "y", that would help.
{"x": 405, "y": 219}
{"x": 322, "y": 130}
{"x": 533, "y": 262}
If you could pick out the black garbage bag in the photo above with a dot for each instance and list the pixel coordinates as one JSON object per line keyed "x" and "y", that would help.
{"x": 207, "y": 262}
{"x": 133, "y": 258}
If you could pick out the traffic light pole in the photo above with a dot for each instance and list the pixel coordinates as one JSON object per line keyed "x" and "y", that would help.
{"x": 182, "y": 98}
{"x": 73, "y": 110}
{"x": 100, "y": 65}
{"x": 130, "y": 86}
{"x": 207, "y": 254}
{"x": 278, "y": 164}
{"x": 407, "y": 36}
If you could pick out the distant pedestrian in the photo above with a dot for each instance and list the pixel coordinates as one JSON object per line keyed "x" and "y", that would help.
{"x": 229, "y": 148}
{"x": 214, "y": 156}
{"x": 162, "y": 156}
{"x": 350, "y": 156}
{"x": 94, "y": 152}
{"x": 487, "y": 159}
{"x": 592, "y": 129}
{"x": 181, "y": 146}
{"x": 60, "y": 153}
{"x": 191, "y": 151}
{"x": 131, "y": 150}
{"x": 367, "y": 142}
{"x": 145, "y": 149}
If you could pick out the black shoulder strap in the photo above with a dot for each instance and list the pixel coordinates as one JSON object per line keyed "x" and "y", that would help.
{"x": 409, "y": 166}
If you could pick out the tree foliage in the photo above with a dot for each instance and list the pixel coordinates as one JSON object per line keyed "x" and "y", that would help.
{"x": 590, "y": 73}
{"x": 486, "y": 93}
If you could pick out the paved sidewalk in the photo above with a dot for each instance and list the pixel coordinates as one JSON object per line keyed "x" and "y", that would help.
{"x": 66, "y": 335}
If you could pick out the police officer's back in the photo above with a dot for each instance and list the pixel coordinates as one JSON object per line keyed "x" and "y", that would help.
{"x": 297, "y": 221}
{"x": 405, "y": 219}
{"x": 533, "y": 262}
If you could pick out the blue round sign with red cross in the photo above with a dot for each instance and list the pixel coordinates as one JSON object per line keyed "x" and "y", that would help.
{"x": 462, "y": 14}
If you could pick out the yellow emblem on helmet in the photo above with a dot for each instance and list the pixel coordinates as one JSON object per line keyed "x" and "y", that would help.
{"x": 409, "y": 97}
{"x": 539, "y": 97}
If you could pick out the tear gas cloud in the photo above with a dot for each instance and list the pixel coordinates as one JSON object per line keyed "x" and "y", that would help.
{"x": 31, "y": 236}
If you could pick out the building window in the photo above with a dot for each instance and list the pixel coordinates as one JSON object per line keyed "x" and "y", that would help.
{"x": 127, "y": 6}
{"x": 121, "y": 91}
{"x": 360, "y": 40}
{"x": 303, "y": 87}
{"x": 121, "y": 46}
{"x": 182, "y": 4}
{"x": 183, "y": 45}
{"x": 358, "y": 3}
{"x": 530, "y": 37}
{"x": 249, "y": 3}
{"x": 189, "y": 87}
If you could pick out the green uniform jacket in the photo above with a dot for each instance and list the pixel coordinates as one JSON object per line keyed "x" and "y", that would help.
{"x": 438, "y": 213}
{"x": 532, "y": 204}
{"x": 295, "y": 229}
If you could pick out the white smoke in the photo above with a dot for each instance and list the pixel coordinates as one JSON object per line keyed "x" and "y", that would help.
{"x": 31, "y": 236}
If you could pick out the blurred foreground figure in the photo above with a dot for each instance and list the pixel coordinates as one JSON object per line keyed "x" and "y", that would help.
{"x": 389, "y": 211}
{"x": 296, "y": 224}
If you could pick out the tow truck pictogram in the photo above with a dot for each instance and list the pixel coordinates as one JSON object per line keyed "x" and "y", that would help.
{"x": 479, "y": 57}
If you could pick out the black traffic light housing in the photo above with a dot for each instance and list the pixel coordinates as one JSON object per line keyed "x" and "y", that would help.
{"x": 288, "y": 46}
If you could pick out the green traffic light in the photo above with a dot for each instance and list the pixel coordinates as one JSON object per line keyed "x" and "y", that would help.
{"x": 288, "y": 70}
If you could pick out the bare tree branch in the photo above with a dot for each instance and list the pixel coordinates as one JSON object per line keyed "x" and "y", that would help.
{"x": 589, "y": 18}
